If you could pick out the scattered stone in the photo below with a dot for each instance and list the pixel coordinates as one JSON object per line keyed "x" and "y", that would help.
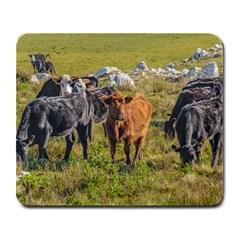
{"x": 38, "y": 77}
{"x": 218, "y": 47}
{"x": 122, "y": 80}
{"x": 171, "y": 65}
{"x": 199, "y": 53}
{"x": 106, "y": 71}
{"x": 210, "y": 71}
{"x": 141, "y": 66}
{"x": 184, "y": 72}
{"x": 193, "y": 73}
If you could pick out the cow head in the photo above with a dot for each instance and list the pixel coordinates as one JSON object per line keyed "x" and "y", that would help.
{"x": 100, "y": 108}
{"x": 169, "y": 128}
{"x": 22, "y": 148}
{"x": 186, "y": 153}
{"x": 66, "y": 85}
{"x": 117, "y": 103}
{"x": 79, "y": 86}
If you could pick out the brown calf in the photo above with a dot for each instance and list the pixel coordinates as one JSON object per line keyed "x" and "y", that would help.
{"x": 127, "y": 120}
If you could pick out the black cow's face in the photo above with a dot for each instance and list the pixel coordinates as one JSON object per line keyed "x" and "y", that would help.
{"x": 22, "y": 148}
{"x": 100, "y": 109}
{"x": 169, "y": 128}
{"x": 186, "y": 153}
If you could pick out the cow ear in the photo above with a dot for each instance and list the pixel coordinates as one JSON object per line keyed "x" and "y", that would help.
{"x": 107, "y": 99}
{"x": 175, "y": 148}
{"x": 128, "y": 99}
{"x": 174, "y": 121}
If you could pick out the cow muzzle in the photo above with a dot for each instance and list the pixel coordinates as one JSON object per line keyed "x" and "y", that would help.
{"x": 121, "y": 117}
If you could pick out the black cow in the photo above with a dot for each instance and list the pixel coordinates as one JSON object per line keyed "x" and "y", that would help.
{"x": 58, "y": 116}
{"x": 103, "y": 91}
{"x": 196, "y": 123}
{"x": 215, "y": 84}
{"x": 38, "y": 58}
{"x": 186, "y": 97}
{"x": 51, "y": 88}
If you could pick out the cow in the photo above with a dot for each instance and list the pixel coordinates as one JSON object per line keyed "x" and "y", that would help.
{"x": 186, "y": 97}
{"x": 39, "y": 57}
{"x": 106, "y": 90}
{"x": 215, "y": 84}
{"x": 196, "y": 123}
{"x": 58, "y": 116}
{"x": 127, "y": 120}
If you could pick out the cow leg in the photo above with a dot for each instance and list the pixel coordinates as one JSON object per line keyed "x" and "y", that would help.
{"x": 127, "y": 151}
{"x": 104, "y": 129}
{"x": 45, "y": 134}
{"x": 113, "y": 148}
{"x": 138, "y": 145}
{"x": 215, "y": 148}
{"x": 83, "y": 135}
{"x": 90, "y": 134}
{"x": 69, "y": 143}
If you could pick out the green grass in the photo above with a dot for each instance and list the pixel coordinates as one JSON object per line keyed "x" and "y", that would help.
{"x": 156, "y": 180}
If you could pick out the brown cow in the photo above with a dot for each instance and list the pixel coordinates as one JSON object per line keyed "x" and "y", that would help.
{"x": 127, "y": 120}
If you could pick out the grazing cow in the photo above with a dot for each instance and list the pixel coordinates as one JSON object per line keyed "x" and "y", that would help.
{"x": 48, "y": 67}
{"x": 196, "y": 123}
{"x": 38, "y": 58}
{"x": 58, "y": 116}
{"x": 217, "y": 79}
{"x": 186, "y": 97}
{"x": 215, "y": 85}
{"x": 127, "y": 120}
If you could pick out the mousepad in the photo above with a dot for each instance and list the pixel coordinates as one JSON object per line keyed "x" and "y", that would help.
{"x": 119, "y": 120}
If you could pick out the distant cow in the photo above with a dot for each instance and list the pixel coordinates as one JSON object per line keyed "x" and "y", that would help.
{"x": 186, "y": 97}
{"x": 39, "y": 57}
{"x": 58, "y": 116}
{"x": 196, "y": 123}
{"x": 127, "y": 120}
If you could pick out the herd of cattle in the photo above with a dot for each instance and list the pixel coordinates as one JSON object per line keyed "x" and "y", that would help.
{"x": 68, "y": 103}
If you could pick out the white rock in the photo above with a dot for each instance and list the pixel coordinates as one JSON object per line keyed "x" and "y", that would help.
{"x": 193, "y": 73}
{"x": 36, "y": 78}
{"x": 210, "y": 71}
{"x": 171, "y": 65}
{"x": 172, "y": 71}
{"x": 106, "y": 70}
{"x": 217, "y": 46}
{"x": 153, "y": 70}
{"x": 199, "y": 53}
{"x": 142, "y": 66}
{"x": 184, "y": 72}
{"x": 158, "y": 72}
{"x": 25, "y": 173}
{"x": 121, "y": 79}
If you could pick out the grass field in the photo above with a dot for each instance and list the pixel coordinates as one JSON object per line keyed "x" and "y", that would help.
{"x": 156, "y": 180}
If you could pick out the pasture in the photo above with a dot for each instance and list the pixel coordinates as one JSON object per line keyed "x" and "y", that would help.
{"x": 157, "y": 179}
